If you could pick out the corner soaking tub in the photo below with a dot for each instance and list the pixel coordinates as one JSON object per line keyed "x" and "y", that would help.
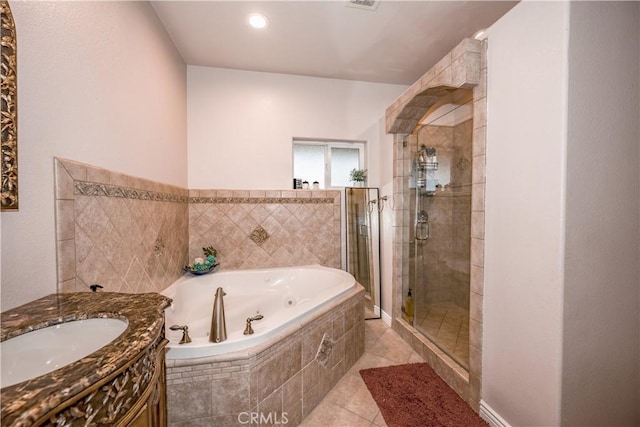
{"x": 311, "y": 334}
{"x": 282, "y": 295}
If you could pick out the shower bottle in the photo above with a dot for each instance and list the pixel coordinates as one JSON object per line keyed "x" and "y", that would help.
{"x": 408, "y": 306}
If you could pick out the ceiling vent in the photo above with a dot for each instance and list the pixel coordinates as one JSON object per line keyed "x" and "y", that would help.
{"x": 364, "y": 4}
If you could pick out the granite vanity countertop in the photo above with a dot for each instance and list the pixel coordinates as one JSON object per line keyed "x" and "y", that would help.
{"x": 25, "y": 402}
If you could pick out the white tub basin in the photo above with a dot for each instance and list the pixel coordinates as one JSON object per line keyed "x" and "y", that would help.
{"x": 44, "y": 350}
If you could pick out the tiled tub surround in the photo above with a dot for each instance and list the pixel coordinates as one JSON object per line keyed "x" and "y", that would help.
{"x": 27, "y": 402}
{"x": 284, "y": 377}
{"x": 125, "y": 233}
{"x": 464, "y": 67}
{"x": 133, "y": 235}
{"x": 257, "y": 228}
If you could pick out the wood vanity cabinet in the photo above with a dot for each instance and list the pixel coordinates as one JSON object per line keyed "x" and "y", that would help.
{"x": 151, "y": 409}
{"x": 133, "y": 396}
{"x": 120, "y": 385}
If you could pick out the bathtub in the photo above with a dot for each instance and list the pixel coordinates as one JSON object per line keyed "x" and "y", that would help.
{"x": 284, "y": 296}
{"x": 311, "y": 334}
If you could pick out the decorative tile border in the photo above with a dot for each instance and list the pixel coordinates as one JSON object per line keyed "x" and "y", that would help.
{"x": 261, "y": 200}
{"x": 86, "y": 188}
{"x": 92, "y": 189}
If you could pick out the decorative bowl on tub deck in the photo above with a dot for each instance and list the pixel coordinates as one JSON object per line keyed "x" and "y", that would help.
{"x": 204, "y": 265}
{"x": 199, "y": 271}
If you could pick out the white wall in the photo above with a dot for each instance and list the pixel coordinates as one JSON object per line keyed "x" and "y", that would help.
{"x": 562, "y": 306}
{"x": 241, "y": 125}
{"x": 601, "y": 350}
{"x": 100, "y": 83}
{"x": 524, "y": 236}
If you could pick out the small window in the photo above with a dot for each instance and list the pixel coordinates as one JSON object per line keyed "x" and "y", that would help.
{"x": 326, "y": 162}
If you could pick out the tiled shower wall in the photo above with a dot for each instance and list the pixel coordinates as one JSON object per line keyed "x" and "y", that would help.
{"x": 133, "y": 235}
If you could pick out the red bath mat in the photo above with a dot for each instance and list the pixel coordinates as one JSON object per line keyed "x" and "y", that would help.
{"x": 414, "y": 395}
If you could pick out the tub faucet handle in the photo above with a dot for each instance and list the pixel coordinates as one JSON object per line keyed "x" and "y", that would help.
{"x": 185, "y": 333}
{"x": 248, "y": 330}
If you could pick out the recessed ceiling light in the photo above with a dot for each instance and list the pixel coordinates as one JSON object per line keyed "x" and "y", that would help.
{"x": 363, "y": 4}
{"x": 257, "y": 20}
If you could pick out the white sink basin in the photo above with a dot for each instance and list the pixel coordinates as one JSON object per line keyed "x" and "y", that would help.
{"x": 42, "y": 351}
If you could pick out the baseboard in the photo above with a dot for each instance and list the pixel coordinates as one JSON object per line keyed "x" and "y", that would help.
{"x": 386, "y": 318}
{"x": 376, "y": 310}
{"x": 491, "y": 416}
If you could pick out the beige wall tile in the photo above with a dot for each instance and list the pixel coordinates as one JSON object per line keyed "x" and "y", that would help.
{"x": 479, "y": 169}
{"x": 98, "y": 175}
{"x": 477, "y": 279}
{"x": 230, "y": 396}
{"x": 479, "y": 140}
{"x": 477, "y": 197}
{"x": 106, "y": 232}
{"x": 472, "y": 68}
{"x": 443, "y": 64}
{"x": 477, "y": 252}
{"x": 475, "y": 333}
{"x": 65, "y": 228}
{"x": 64, "y": 181}
{"x": 292, "y": 399}
{"x": 475, "y": 311}
{"x": 77, "y": 171}
{"x": 69, "y": 286}
{"x": 479, "y": 113}
{"x": 66, "y": 260}
{"x": 182, "y": 406}
{"x": 477, "y": 225}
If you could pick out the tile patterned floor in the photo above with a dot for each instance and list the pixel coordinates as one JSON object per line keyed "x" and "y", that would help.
{"x": 447, "y": 325}
{"x": 349, "y": 403}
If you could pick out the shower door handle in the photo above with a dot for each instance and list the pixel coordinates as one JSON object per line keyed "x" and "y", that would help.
{"x": 421, "y": 230}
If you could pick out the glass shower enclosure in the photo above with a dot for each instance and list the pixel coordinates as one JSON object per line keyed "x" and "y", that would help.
{"x": 363, "y": 244}
{"x": 436, "y": 297}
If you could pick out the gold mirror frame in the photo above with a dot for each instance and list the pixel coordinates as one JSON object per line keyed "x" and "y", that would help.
{"x": 9, "y": 120}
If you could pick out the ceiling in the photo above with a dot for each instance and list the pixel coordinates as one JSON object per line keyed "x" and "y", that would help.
{"x": 395, "y": 43}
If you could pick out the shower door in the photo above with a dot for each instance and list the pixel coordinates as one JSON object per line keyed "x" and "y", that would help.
{"x": 440, "y": 236}
{"x": 363, "y": 244}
